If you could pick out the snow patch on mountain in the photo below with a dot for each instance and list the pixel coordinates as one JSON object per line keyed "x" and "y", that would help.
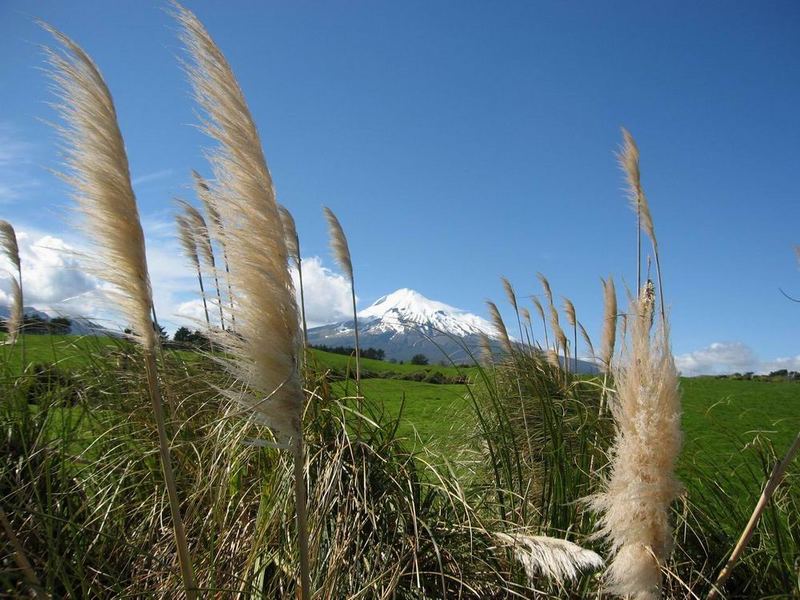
{"x": 405, "y": 310}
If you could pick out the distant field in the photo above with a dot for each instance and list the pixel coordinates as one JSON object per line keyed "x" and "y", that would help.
{"x": 720, "y": 416}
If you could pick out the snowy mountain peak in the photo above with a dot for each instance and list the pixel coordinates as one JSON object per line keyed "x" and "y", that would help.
{"x": 406, "y": 309}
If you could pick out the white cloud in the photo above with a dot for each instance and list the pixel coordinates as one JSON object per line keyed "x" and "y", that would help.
{"x": 730, "y": 357}
{"x": 327, "y": 294}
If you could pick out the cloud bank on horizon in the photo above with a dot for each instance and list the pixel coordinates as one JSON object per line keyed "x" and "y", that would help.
{"x": 57, "y": 278}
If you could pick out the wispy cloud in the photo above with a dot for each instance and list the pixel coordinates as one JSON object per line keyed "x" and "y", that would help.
{"x": 17, "y": 173}
{"x": 154, "y": 176}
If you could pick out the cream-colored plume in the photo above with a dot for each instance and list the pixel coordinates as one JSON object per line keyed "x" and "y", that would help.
{"x": 510, "y": 294}
{"x": 546, "y": 287}
{"x": 586, "y": 339}
{"x": 187, "y": 240}
{"x": 628, "y": 157}
{"x": 609, "y": 322}
{"x": 8, "y": 242}
{"x": 290, "y": 232}
{"x": 200, "y": 231}
{"x": 338, "y": 240}
{"x": 15, "y": 317}
{"x": 97, "y": 170}
{"x": 635, "y": 504}
{"x": 499, "y": 326}
{"x": 569, "y": 310}
{"x": 264, "y": 351}
{"x": 526, "y": 315}
{"x": 558, "y": 560}
{"x": 206, "y": 196}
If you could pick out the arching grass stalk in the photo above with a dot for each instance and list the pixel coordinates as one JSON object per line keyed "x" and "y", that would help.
{"x": 97, "y": 170}
{"x": 263, "y": 354}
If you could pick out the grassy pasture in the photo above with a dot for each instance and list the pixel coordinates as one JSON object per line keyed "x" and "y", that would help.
{"x": 721, "y": 416}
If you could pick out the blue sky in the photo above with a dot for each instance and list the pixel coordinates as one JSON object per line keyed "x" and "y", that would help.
{"x": 461, "y": 141}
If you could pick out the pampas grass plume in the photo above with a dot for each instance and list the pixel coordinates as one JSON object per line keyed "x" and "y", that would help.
{"x": 16, "y": 314}
{"x": 8, "y": 242}
{"x": 609, "y": 322}
{"x": 635, "y": 504}
{"x": 499, "y": 326}
{"x": 339, "y": 247}
{"x": 554, "y": 558}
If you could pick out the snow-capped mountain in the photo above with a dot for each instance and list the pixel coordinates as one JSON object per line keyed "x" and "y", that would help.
{"x": 406, "y": 323}
{"x": 78, "y": 325}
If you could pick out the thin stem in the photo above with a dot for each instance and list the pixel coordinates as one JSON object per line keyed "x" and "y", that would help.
{"x": 302, "y": 300}
{"x": 358, "y": 352}
{"x": 638, "y": 242}
{"x": 219, "y": 293}
{"x": 772, "y": 484}
{"x": 301, "y": 511}
{"x": 203, "y": 296}
{"x": 184, "y": 558}
{"x": 228, "y": 280}
{"x": 22, "y": 325}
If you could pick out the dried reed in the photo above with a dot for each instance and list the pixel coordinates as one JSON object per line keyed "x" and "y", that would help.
{"x": 97, "y": 170}
{"x": 186, "y": 236}
{"x": 634, "y": 506}
{"x": 341, "y": 252}
{"x": 263, "y": 353}
{"x": 293, "y": 247}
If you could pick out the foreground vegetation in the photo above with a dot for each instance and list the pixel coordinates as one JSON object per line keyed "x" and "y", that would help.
{"x": 81, "y": 489}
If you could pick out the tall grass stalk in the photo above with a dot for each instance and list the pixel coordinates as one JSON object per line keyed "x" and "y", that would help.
{"x": 538, "y": 305}
{"x": 341, "y": 252}
{"x": 772, "y": 484}
{"x": 97, "y": 170}
{"x": 628, "y": 158}
{"x": 512, "y": 299}
{"x": 186, "y": 236}
{"x": 263, "y": 354}
{"x": 206, "y": 250}
{"x": 215, "y": 230}
{"x": 634, "y": 505}
{"x": 293, "y": 247}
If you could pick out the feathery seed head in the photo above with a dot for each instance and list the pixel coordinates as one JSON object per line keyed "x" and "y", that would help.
{"x": 500, "y": 326}
{"x": 290, "y": 233}
{"x": 635, "y": 504}
{"x": 338, "y": 240}
{"x": 526, "y": 315}
{"x": 609, "y": 322}
{"x": 557, "y": 559}
{"x": 200, "y": 231}
{"x": 8, "y": 242}
{"x": 509, "y": 289}
{"x": 569, "y": 309}
{"x": 539, "y": 308}
{"x": 546, "y": 287}
{"x": 264, "y": 350}
{"x": 16, "y": 317}
{"x": 586, "y": 338}
{"x": 97, "y": 169}
{"x": 628, "y": 157}
{"x": 187, "y": 239}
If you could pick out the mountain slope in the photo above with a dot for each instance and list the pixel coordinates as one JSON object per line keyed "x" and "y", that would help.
{"x": 405, "y": 323}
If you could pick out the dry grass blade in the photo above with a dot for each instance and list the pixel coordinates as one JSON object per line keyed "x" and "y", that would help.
{"x": 586, "y": 339}
{"x": 634, "y": 506}
{"x": 100, "y": 177}
{"x": 557, "y": 559}
{"x": 264, "y": 351}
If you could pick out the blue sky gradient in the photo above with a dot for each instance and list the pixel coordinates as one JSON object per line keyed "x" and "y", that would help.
{"x": 461, "y": 141}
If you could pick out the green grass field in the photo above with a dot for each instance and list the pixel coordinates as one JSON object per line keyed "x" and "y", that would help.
{"x": 721, "y": 416}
